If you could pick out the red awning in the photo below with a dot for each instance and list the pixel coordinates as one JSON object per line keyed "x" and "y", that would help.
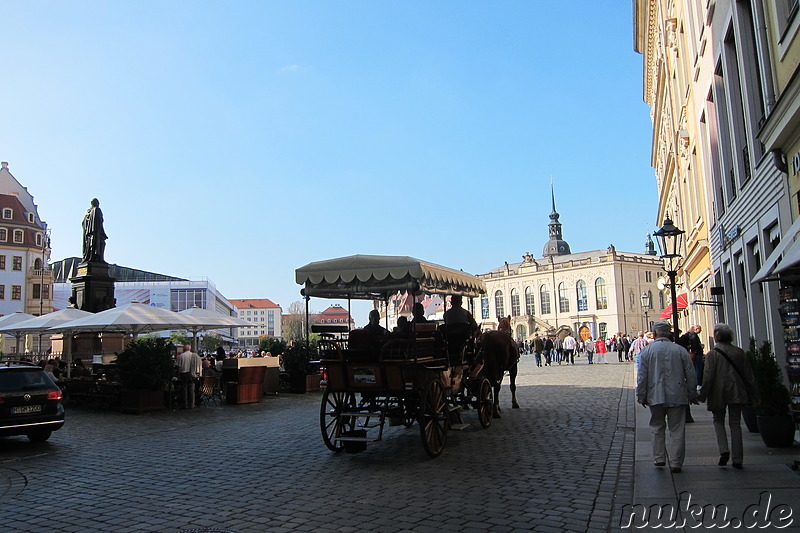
{"x": 682, "y": 304}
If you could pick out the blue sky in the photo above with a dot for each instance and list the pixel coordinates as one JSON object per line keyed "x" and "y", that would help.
{"x": 239, "y": 141}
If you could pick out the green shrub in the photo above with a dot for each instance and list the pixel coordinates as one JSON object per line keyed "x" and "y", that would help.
{"x": 772, "y": 398}
{"x": 146, "y": 363}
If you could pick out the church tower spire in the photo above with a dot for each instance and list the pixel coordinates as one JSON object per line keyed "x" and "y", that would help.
{"x": 556, "y": 245}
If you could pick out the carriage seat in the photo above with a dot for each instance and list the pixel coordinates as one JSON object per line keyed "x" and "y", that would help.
{"x": 360, "y": 348}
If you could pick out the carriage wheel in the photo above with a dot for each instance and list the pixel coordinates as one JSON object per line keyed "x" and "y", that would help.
{"x": 485, "y": 403}
{"x": 330, "y": 421}
{"x": 432, "y": 418}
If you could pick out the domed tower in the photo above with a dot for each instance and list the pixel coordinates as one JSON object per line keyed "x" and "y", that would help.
{"x": 556, "y": 245}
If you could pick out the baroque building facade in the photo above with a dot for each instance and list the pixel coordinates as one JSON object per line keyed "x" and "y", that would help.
{"x": 720, "y": 79}
{"x": 26, "y": 279}
{"x": 596, "y": 293}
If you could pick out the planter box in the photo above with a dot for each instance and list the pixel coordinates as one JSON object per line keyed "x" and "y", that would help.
{"x": 776, "y": 431}
{"x": 141, "y": 401}
{"x": 303, "y": 384}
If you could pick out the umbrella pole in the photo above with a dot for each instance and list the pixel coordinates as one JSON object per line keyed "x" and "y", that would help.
{"x": 66, "y": 339}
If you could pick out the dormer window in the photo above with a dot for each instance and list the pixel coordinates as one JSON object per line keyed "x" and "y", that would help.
{"x": 3, "y": 235}
{"x": 30, "y": 218}
{"x": 38, "y": 239}
{"x": 18, "y": 236}
{"x": 8, "y": 213}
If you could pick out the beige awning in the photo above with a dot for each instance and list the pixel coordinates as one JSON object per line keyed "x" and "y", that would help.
{"x": 377, "y": 276}
{"x": 784, "y": 256}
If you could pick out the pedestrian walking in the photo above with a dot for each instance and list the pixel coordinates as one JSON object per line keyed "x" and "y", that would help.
{"x": 600, "y": 348}
{"x": 569, "y": 349}
{"x": 639, "y": 344}
{"x": 588, "y": 347}
{"x": 547, "y": 351}
{"x": 538, "y": 347}
{"x": 189, "y": 368}
{"x": 623, "y": 345}
{"x": 728, "y": 384}
{"x": 558, "y": 348}
{"x": 666, "y": 384}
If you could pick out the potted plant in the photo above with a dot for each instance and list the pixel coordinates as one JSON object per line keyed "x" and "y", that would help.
{"x": 145, "y": 370}
{"x": 298, "y": 362}
{"x": 772, "y": 400}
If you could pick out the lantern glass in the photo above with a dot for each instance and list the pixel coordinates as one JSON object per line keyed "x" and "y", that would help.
{"x": 669, "y": 237}
{"x": 645, "y": 300}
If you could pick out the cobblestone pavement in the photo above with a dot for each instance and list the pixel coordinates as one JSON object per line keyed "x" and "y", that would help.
{"x": 562, "y": 462}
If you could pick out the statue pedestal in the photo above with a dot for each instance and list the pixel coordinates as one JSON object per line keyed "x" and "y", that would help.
{"x": 88, "y": 346}
{"x": 93, "y": 288}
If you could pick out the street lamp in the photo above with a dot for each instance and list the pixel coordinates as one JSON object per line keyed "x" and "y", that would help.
{"x": 669, "y": 240}
{"x": 646, "y": 299}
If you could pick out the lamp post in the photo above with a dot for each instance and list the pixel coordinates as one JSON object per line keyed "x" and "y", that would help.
{"x": 669, "y": 240}
{"x": 645, "y": 306}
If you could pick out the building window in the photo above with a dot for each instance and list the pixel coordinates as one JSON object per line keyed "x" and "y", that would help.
{"x": 18, "y": 236}
{"x": 648, "y": 276}
{"x": 661, "y": 300}
{"x": 16, "y": 262}
{"x": 583, "y": 296}
{"x": 498, "y": 304}
{"x": 514, "y": 302}
{"x": 37, "y": 291}
{"x": 650, "y": 299}
{"x": 544, "y": 300}
{"x": 16, "y": 292}
{"x": 2, "y": 292}
{"x": 8, "y": 213}
{"x": 3, "y": 235}
{"x": 600, "y": 293}
{"x": 484, "y": 308}
{"x": 530, "y": 308}
{"x": 30, "y": 218}
{"x": 2, "y": 262}
{"x": 602, "y": 330}
{"x": 181, "y": 299}
{"x": 563, "y": 299}
{"x": 38, "y": 239}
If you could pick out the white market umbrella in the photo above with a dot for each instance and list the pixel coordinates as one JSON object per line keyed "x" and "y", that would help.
{"x": 15, "y": 318}
{"x": 41, "y": 324}
{"x": 208, "y": 319}
{"x": 133, "y": 318}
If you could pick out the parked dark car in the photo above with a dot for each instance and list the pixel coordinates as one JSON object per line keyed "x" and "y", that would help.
{"x": 30, "y": 402}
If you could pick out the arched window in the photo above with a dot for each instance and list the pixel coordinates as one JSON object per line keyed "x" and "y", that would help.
{"x": 530, "y": 308}
{"x": 563, "y": 299}
{"x": 37, "y": 264}
{"x": 650, "y": 299}
{"x": 660, "y": 299}
{"x": 522, "y": 332}
{"x": 544, "y": 300}
{"x": 498, "y": 304}
{"x": 600, "y": 293}
{"x": 38, "y": 239}
{"x": 514, "y": 302}
{"x": 583, "y": 296}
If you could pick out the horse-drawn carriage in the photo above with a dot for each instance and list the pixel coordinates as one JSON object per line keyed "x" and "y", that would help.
{"x": 427, "y": 375}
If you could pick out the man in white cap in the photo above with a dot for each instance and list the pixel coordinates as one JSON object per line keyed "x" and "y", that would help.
{"x": 667, "y": 384}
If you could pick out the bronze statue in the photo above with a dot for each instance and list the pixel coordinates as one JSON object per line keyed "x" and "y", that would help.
{"x": 94, "y": 238}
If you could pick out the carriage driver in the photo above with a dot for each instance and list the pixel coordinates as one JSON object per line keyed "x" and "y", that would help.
{"x": 462, "y": 323}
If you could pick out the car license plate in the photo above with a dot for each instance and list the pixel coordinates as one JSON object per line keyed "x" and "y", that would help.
{"x": 24, "y": 409}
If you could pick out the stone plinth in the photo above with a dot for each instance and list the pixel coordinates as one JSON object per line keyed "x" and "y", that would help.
{"x": 93, "y": 288}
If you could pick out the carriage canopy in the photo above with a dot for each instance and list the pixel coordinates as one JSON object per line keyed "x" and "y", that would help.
{"x": 373, "y": 277}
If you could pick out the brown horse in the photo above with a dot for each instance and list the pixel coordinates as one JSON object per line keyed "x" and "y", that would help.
{"x": 499, "y": 354}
